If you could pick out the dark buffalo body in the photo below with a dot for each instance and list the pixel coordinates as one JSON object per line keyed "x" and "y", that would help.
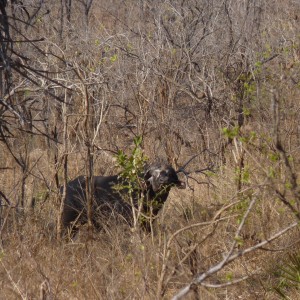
{"x": 108, "y": 199}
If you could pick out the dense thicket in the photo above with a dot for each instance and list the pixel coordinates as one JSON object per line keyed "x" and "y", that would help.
{"x": 212, "y": 83}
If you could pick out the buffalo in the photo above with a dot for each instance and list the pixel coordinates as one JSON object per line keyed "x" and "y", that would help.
{"x": 111, "y": 197}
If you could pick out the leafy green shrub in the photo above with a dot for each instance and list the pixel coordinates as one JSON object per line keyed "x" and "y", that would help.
{"x": 131, "y": 175}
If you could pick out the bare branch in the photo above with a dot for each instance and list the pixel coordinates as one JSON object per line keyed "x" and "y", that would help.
{"x": 201, "y": 277}
{"x": 221, "y": 285}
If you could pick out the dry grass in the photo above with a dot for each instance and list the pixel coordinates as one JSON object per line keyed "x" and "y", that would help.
{"x": 120, "y": 264}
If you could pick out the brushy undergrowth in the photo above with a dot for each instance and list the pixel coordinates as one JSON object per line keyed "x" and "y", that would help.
{"x": 98, "y": 87}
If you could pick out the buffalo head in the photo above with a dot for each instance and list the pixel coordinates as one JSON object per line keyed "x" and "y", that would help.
{"x": 161, "y": 177}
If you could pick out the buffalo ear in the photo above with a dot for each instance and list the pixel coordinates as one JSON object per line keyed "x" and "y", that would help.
{"x": 148, "y": 171}
{"x": 151, "y": 176}
{"x": 148, "y": 174}
{"x": 152, "y": 171}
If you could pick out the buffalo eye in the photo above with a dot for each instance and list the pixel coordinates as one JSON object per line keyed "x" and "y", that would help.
{"x": 163, "y": 173}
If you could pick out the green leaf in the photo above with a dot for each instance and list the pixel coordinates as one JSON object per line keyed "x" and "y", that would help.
{"x": 113, "y": 58}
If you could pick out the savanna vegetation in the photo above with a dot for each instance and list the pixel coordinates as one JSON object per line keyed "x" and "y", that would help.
{"x": 211, "y": 87}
